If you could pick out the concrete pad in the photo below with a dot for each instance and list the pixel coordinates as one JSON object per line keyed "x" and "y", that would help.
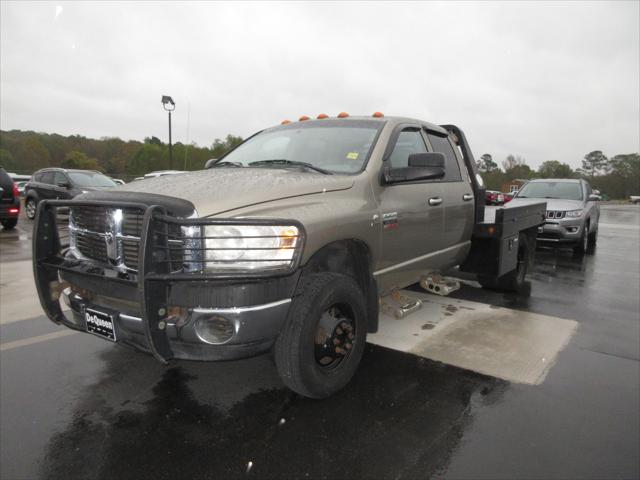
{"x": 509, "y": 344}
{"x": 18, "y": 294}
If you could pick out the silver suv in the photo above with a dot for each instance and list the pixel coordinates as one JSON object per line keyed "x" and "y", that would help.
{"x": 572, "y": 212}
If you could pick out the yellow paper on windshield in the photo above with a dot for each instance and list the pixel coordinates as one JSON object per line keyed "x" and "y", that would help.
{"x": 352, "y": 155}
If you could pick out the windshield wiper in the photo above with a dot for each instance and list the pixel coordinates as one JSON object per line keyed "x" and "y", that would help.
{"x": 227, "y": 164}
{"x": 282, "y": 161}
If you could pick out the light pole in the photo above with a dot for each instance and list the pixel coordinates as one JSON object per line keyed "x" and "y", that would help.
{"x": 169, "y": 105}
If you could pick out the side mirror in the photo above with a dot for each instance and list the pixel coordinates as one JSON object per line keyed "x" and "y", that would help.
{"x": 594, "y": 198}
{"x": 422, "y": 166}
{"x": 596, "y": 192}
{"x": 210, "y": 162}
{"x": 66, "y": 185}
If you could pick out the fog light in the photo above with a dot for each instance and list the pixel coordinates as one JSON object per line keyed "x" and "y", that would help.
{"x": 572, "y": 229}
{"x": 214, "y": 329}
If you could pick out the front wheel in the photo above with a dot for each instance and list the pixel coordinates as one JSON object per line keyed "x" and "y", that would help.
{"x": 320, "y": 347}
{"x": 30, "y": 208}
{"x": 582, "y": 247}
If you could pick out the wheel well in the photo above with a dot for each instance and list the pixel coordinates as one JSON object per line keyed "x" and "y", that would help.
{"x": 352, "y": 258}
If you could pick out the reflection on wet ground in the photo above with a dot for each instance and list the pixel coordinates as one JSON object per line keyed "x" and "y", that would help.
{"x": 401, "y": 418}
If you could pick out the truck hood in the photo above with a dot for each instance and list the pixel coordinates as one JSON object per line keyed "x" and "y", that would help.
{"x": 552, "y": 203}
{"x": 217, "y": 191}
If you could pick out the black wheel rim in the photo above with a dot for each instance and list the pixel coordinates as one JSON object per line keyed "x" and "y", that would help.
{"x": 335, "y": 336}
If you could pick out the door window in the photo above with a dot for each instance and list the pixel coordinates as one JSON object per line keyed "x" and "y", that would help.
{"x": 58, "y": 178}
{"x": 409, "y": 142}
{"x": 443, "y": 145}
{"x": 46, "y": 177}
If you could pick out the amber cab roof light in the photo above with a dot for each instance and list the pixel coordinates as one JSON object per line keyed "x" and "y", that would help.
{"x": 343, "y": 115}
{"x": 378, "y": 115}
{"x": 322, "y": 116}
{"x": 284, "y": 122}
{"x": 303, "y": 118}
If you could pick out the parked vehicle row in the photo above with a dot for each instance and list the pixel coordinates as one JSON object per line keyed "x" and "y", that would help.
{"x": 61, "y": 184}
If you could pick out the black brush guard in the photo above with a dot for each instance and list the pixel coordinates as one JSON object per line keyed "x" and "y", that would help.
{"x": 153, "y": 266}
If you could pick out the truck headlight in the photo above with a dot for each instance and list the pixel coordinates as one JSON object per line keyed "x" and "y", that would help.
{"x": 573, "y": 213}
{"x": 250, "y": 247}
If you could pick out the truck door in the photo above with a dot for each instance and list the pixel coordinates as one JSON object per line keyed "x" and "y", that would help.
{"x": 457, "y": 192}
{"x": 411, "y": 215}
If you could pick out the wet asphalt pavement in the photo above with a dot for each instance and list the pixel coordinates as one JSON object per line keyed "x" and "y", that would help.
{"x": 76, "y": 406}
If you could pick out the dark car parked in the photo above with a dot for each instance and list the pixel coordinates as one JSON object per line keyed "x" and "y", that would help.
{"x": 9, "y": 201}
{"x": 62, "y": 184}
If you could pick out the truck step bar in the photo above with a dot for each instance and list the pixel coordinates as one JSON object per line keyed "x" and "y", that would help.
{"x": 436, "y": 283}
{"x": 399, "y": 305}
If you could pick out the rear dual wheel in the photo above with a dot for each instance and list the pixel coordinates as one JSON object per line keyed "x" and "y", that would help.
{"x": 320, "y": 347}
{"x": 513, "y": 281}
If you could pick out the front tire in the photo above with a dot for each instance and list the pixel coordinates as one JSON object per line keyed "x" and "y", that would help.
{"x": 319, "y": 349}
{"x": 582, "y": 246}
{"x": 30, "y": 208}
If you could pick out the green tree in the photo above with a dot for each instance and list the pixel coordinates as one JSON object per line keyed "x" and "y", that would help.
{"x": 31, "y": 155}
{"x": 79, "y": 160}
{"x": 486, "y": 163}
{"x": 220, "y": 147}
{"x": 153, "y": 140}
{"x": 6, "y": 160}
{"x": 594, "y": 163}
{"x": 512, "y": 161}
{"x": 555, "y": 169}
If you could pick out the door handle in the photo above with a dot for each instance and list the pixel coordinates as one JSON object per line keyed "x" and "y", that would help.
{"x": 467, "y": 196}
{"x": 435, "y": 201}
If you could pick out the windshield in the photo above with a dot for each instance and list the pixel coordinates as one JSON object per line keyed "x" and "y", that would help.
{"x": 331, "y": 145}
{"x": 560, "y": 190}
{"x": 90, "y": 179}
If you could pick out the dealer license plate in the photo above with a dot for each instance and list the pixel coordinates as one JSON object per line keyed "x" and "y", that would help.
{"x": 100, "y": 324}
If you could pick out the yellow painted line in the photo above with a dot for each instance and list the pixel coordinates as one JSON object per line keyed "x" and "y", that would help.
{"x": 25, "y": 342}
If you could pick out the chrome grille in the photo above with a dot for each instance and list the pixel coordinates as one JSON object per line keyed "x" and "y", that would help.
{"x": 94, "y": 228}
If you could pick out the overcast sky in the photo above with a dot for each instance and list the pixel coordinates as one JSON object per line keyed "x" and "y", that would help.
{"x": 540, "y": 80}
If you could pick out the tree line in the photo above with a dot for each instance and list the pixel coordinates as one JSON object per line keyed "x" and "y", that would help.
{"x": 24, "y": 152}
{"x": 617, "y": 177}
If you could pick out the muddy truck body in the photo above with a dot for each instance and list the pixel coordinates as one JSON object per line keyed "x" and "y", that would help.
{"x": 286, "y": 244}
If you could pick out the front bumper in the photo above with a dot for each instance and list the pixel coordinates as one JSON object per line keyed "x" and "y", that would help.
{"x": 568, "y": 230}
{"x": 255, "y": 327}
{"x": 141, "y": 304}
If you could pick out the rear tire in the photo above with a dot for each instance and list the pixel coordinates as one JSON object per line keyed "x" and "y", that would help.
{"x": 10, "y": 224}
{"x": 30, "y": 208}
{"x": 303, "y": 343}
